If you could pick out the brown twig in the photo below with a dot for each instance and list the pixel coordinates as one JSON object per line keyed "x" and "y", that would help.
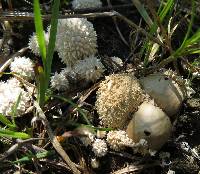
{"x": 16, "y": 146}
{"x": 54, "y": 140}
{"x": 11, "y": 57}
{"x": 117, "y": 27}
{"x": 133, "y": 168}
{"x": 29, "y": 16}
{"x": 139, "y": 29}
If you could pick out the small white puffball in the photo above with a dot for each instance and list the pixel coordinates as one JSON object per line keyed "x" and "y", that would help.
{"x": 117, "y": 60}
{"x": 79, "y": 4}
{"x": 99, "y": 147}
{"x": 33, "y": 43}
{"x": 24, "y": 67}
{"x": 89, "y": 69}
{"x": 59, "y": 82}
{"x": 118, "y": 140}
{"x": 9, "y": 93}
{"x": 75, "y": 40}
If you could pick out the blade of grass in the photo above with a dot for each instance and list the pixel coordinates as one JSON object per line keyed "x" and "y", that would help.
{"x": 42, "y": 46}
{"x": 166, "y": 9}
{"x": 7, "y": 122}
{"x": 152, "y": 48}
{"x": 52, "y": 39}
{"x": 143, "y": 12}
{"x": 13, "y": 134}
{"x": 47, "y": 56}
{"x": 39, "y": 30}
{"x": 38, "y": 155}
{"x": 40, "y": 81}
{"x": 14, "y": 109}
{"x": 187, "y": 41}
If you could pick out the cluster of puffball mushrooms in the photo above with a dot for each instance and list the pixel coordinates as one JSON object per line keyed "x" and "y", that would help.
{"x": 140, "y": 111}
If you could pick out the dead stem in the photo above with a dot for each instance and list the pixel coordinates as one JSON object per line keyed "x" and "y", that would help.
{"x": 10, "y": 59}
{"x": 54, "y": 140}
{"x": 16, "y": 146}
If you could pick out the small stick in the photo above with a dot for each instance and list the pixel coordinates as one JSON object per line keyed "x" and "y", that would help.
{"x": 16, "y": 146}
{"x": 117, "y": 27}
{"x": 10, "y": 59}
{"x": 54, "y": 140}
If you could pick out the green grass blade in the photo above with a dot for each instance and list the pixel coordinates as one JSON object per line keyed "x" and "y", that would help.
{"x": 52, "y": 39}
{"x": 7, "y": 122}
{"x": 41, "y": 85}
{"x": 193, "y": 39}
{"x": 143, "y": 12}
{"x": 166, "y": 9}
{"x": 14, "y": 108}
{"x": 39, "y": 30}
{"x": 44, "y": 74}
{"x": 13, "y": 134}
{"x": 186, "y": 42}
{"x": 38, "y": 155}
{"x": 75, "y": 106}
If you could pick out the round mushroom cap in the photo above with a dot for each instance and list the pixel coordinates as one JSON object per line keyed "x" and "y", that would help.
{"x": 167, "y": 94}
{"x": 118, "y": 96}
{"x": 150, "y": 123}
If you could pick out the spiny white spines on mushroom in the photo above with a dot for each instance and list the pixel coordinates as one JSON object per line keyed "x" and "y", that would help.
{"x": 89, "y": 68}
{"x": 9, "y": 93}
{"x": 33, "y": 43}
{"x": 60, "y": 81}
{"x": 118, "y": 140}
{"x": 24, "y": 67}
{"x": 117, "y": 97}
{"x": 76, "y": 39}
{"x": 99, "y": 147}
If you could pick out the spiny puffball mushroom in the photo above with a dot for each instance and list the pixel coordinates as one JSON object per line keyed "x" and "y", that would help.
{"x": 89, "y": 68}
{"x": 168, "y": 95}
{"x": 150, "y": 123}
{"x": 23, "y": 66}
{"x": 79, "y": 4}
{"x": 9, "y": 93}
{"x": 33, "y": 43}
{"x": 76, "y": 39}
{"x": 118, "y": 96}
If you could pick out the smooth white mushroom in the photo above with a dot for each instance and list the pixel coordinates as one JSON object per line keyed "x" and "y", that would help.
{"x": 150, "y": 123}
{"x": 167, "y": 94}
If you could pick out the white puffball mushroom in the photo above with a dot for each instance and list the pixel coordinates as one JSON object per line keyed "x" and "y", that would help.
{"x": 33, "y": 43}
{"x": 90, "y": 68}
{"x": 150, "y": 123}
{"x": 76, "y": 39}
{"x": 168, "y": 95}
{"x": 59, "y": 82}
{"x": 118, "y": 140}
{"x": 24, "y": 67}
{"x": 9, "y": 93}
{"x": 79, "y": 4}
{"x": 118, "y": 96}
{"x": 99, "y": 147}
